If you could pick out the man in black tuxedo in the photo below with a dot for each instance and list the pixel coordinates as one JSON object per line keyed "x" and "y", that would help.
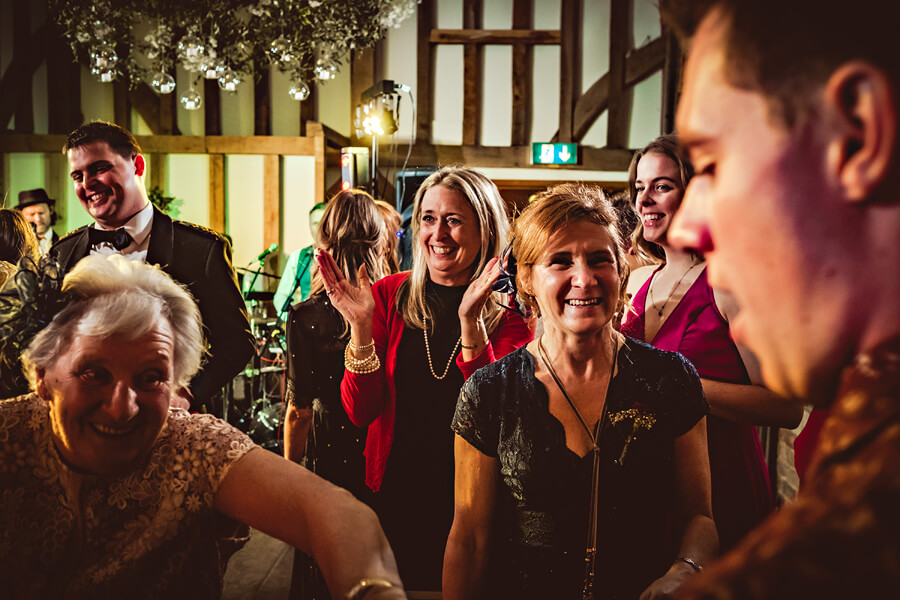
{"x": 39, "y": 210}
{"x": 107, "y": 170}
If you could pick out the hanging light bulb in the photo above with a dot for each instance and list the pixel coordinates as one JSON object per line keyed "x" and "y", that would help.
{"x": 299, "y": 90}
{"x": 229, "y": 80}
{"x": 163, "y": 83}
{"x": 191, "y": 99}
{"x": 190, "y": 47}
{"x": 280, "y": 49}
{"x": 103, "y": 56}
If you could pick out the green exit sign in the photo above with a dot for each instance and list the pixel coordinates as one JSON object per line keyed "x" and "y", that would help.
{"x": 554, "y": 154}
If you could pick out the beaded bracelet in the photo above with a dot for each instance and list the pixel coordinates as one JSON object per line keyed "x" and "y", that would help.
{"x": 362, "y": 366}
{"x": 356, "y": 348}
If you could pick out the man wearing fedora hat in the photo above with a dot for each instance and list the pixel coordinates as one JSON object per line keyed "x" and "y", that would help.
{"x": 39, "y": 210}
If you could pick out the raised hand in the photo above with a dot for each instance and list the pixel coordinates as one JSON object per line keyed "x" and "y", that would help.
{"x": 474, "y": 334}
{"x": 354, "y": 302}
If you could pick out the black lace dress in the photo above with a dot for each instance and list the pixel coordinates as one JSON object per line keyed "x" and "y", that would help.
{"x": 542, "y": 512}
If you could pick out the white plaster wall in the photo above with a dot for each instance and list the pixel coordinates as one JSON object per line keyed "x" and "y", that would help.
{"x": 187, "y": 178}
{"x": 299, "y": 197}
{"x": 96, "y": 98}
{"x": 244, "y": 206}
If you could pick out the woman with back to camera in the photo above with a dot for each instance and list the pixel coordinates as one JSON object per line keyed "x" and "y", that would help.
{"x": 676, "y": 309}
{"x": 352, "y": 230}
{"x": 581, "y": 466}
{"x": 403, "y": 372}
{"x": 109, "y": 492}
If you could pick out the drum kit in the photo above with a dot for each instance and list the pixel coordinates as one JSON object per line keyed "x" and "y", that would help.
{"x": 255, "y": 402}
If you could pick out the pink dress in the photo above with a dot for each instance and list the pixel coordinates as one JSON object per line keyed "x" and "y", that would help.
{"x": 741, "y": 493}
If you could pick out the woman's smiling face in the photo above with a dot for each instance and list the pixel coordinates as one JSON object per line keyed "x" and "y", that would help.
{"x": 450, "y": 235}
{"x": 576, "y": 279}
{"x": 658, "y": 194}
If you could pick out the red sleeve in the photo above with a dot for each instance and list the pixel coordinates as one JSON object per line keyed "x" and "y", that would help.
{"x": 512, "y": 332}
{"x": 365, "y": 396}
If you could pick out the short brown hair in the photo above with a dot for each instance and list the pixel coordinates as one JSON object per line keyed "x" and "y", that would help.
{"x": 665, "y": 145}
{"x": 786, "y": 49}
{"x": 551, "y": 211}
{"x": 119, "y": 139}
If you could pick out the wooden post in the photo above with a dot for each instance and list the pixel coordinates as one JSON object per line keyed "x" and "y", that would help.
{"x": 569, "y": 71}
{"x": 262, "y": 119}
{"x": 21, "y": 14}
{"x": 671, "y": 82}
{"x": 271, "y": 210}
{"x": 522, "y": 75}
{"x": 217, "y": 192}
{"x": 424, "y": 69}
{"x": 620, "y": 43}
{"x": 473, "y": 67}
{"x": 212, "y": 107}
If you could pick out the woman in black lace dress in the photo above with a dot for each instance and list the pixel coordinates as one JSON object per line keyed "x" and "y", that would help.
{"x": 581, "y": 462}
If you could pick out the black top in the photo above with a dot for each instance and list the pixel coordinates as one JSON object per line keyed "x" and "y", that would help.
{"x": 415, "y": 502}
{"x": 542, "y": 514}
{"x": 316, "y": 341}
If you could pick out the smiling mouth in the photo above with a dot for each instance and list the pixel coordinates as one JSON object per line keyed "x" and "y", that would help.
{"x": 443, "y": 250}
{"x": 96, "y": 197}
{"x": 583, "y": 302}
{"x": 112, "y": 431}
{"x": 651, "y": 219}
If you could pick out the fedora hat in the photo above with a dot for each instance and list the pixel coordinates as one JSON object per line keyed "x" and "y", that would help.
{"x": 31, "y": 197}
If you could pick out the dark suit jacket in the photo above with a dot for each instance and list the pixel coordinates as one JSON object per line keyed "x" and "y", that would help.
{"x": 200, "y": 259}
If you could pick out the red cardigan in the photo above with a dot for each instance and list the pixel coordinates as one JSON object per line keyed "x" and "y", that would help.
{"x": 371, "y": 399}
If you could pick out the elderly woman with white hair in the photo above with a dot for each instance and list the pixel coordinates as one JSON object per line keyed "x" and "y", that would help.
{"x": 107, "y": 491}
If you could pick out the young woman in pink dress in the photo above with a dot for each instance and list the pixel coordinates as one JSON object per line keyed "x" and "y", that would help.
{"x": 676, "y": 309}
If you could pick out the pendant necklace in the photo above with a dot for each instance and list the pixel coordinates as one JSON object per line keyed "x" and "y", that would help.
{"x": 590, "y": 553}
{"x": 428, "y": 353}
{"x": 672, "y": 293}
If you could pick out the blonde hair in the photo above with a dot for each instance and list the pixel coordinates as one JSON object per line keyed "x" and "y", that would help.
{"x": 352, "y": 230}
{"x": 391, "y": 246}
{"x": 484, "y": 197}
{"x": 550, "y": 212}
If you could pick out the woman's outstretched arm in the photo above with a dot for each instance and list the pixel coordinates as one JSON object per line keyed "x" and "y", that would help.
{"x": 288, "y": 502}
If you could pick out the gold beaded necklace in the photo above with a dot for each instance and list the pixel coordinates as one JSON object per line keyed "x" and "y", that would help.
{"x": 662, "y": 309}
{"x": 428, "y": 354}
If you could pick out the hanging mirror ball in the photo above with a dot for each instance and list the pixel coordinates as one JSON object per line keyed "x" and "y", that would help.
{"x": 281, "y": 49}
{"x": 207, "y": 67}
{"x": 103, "y": 56}
{"x": 103, "y": 75}
{"x": 299, "y": 91}
{"x": 163, "y": 83}
{"x": 229, "y": 80}
{"x": 191, "y": 99}
{"x": 190, "y": 46}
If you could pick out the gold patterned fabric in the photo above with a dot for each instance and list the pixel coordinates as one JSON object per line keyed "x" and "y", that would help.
{"x": 840, "y": 538}
{"x": 152, "y": 533}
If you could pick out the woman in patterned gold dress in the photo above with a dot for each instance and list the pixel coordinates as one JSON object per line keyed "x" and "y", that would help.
{"x": 108, "y": 492}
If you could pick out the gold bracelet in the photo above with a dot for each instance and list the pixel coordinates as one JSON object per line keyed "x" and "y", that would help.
{"x": 356, "y": 348}
{"x": 475, "y": 346}
{"x": 361, "y": 366}
{"x": 364, "y": 586}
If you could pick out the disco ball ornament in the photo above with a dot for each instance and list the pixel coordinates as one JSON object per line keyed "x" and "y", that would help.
{"x": 280, "y": 49}
{"x": 163, "y": 83}
{"x": 191, "y": 99}
{"x": 229, "y": 80}
{"x": 299, "y": 91}
{"x": 104, "y": 57}
{"x": 190, "y": 47}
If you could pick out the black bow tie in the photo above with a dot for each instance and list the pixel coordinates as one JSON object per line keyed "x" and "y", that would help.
{"x": 118, "y": 239}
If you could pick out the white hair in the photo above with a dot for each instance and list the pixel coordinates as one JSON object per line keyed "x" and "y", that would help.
{"x": 116, "y": 296}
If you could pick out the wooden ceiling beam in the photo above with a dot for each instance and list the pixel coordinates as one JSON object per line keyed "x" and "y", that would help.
{"x": 495, "y": 36}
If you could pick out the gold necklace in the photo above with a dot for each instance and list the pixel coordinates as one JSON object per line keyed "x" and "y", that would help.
{"x": 590, "y": 553}
{"x": 428, "y": 353}
{"x": 672, "y": 293}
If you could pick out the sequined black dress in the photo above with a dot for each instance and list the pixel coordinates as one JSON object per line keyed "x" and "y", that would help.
{"x": 316, "y": 341}
{"x": 542, "y": 512}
